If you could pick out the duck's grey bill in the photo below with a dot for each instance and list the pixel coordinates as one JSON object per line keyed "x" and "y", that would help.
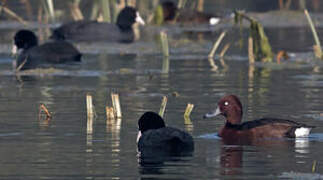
{"x": 213, "y": 114}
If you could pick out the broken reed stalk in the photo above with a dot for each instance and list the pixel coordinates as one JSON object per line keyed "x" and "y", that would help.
{"x": 76, "y": 13}
{"x": 250, "y": 51}
{"x": 261, "y": 46}
{"x": 317, "y": 47}
{"x": 164, "y": 43}
{"x": 90, "y": 114}
{"x": 314, "y": 166}
{"x": 89, "y": 125}
{"x": 116, "y": 105}
{"x": 105, "y": 7}
{"x": 42, "y": 107}
{"x": 51, "y": 11}
{"x": 109, "y": 112}
{"x": 216, "y": 44}
{"x": 163, "y": 106}
{"x": 224, "y": 50}
{"x": 188, "y": 110}
{"x": 89, "y": 105}
{"x": 95, "y": 10}
{"x": 165, "y": 66}
{"x": 13, "y": 15}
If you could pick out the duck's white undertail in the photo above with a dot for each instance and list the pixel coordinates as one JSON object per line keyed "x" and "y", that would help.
{"x": 302, "y": 132}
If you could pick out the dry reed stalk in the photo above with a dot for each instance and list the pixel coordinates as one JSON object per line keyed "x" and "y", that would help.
{"x": 224, "y": 50}
{"x": 42, "y": 108}
{"x": 165, "y": 65}
{"x": 51, "y": 11}
{"x": 164, "y": 43}
{"x": 90, "y": 113}
{"x": 76, "y": 13}
{"x": 109, "y": 112}
{"x": 200, "y": 5}
{"x": 89, "y": 105}
{"x": 250, "y": 51}
{"x": 105, "y": 10}
{"x": 216, "y": 44}
{"x": 317, "y": 47}
{"x": 188, "y": 110}
{"x": 13, "y": 15}
{"x": 163, "y": 106}
{"x": 314, "y": 166}
{"x": 116, "y": 105}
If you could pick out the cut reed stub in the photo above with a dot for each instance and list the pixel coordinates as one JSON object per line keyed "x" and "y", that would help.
{"x": 163, "y": 106}
{"x": 317, "y": 51}
{"x": 89, "y": 105}
{"x": 281, "y": 55}
{"x": 250, "y": 51}
{"x": 110, "y": 113}
{"x": 164, "y": 43}
{"x": 42, "y": 108}
{"x": 188, "y": 110}
{"x": 116, "y": 105}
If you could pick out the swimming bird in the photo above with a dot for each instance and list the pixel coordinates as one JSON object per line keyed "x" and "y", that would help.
{"x": 187, "y": 16}
{"x": 31, "y": 55}
{"x": 234, "y": 130}
{"x": 122, "y": 31}
{"x": 155, "y": 135}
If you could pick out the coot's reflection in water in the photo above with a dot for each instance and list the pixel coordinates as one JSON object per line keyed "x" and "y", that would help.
{"x": 153, "y": 160}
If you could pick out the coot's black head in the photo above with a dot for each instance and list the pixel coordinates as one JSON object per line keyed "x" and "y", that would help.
{"x": 25, "y": 39}
{"x": 127, "y": 17}
{"x": 150, "y": 120}
{"x": 169, "y": 10}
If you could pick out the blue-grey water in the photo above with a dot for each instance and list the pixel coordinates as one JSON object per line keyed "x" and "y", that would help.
{"x": 60, "y": 148}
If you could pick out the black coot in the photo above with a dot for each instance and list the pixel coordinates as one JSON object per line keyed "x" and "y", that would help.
{"x": 33, "y": 56}
{"x": 122, "y": 31}
{"x": 153, "y": 134}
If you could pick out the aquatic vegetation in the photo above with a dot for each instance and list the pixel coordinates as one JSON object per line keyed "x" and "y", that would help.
{"x": 261, "y": 46}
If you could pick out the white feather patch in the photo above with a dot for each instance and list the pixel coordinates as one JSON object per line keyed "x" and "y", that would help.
{"x": 138, "y": 136}
{"x": 302, "y": 132}
{"x": 213, "y": 21}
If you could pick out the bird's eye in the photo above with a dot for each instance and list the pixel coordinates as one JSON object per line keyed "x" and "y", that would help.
{"x": 226, "y": 103}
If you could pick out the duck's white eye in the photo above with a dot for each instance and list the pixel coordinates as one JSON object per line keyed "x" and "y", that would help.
{"x": 226, "y": 103}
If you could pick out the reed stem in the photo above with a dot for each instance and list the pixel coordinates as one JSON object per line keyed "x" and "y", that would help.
{"x": 250, "y": 51}
{"x": 164, "y": 43}
{"x": 42, "y": 107}
{"x": 89, "y": 105}
{"x": 165, "y": 68}
{"x": 105, "y": 7}
{"x": 109, "y": 112}
{"x": 13, "y": 15}
{"x": 116, "y": 105}
{"x": 163, "y": 106}
{"x": 216, "y": 44}
{"x": 224, "y": 50}
{"x": 188, "y": 110}
{"x": 318, "y": 48}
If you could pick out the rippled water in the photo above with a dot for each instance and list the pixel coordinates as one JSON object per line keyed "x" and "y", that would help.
{"x": 60, "y": 148}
